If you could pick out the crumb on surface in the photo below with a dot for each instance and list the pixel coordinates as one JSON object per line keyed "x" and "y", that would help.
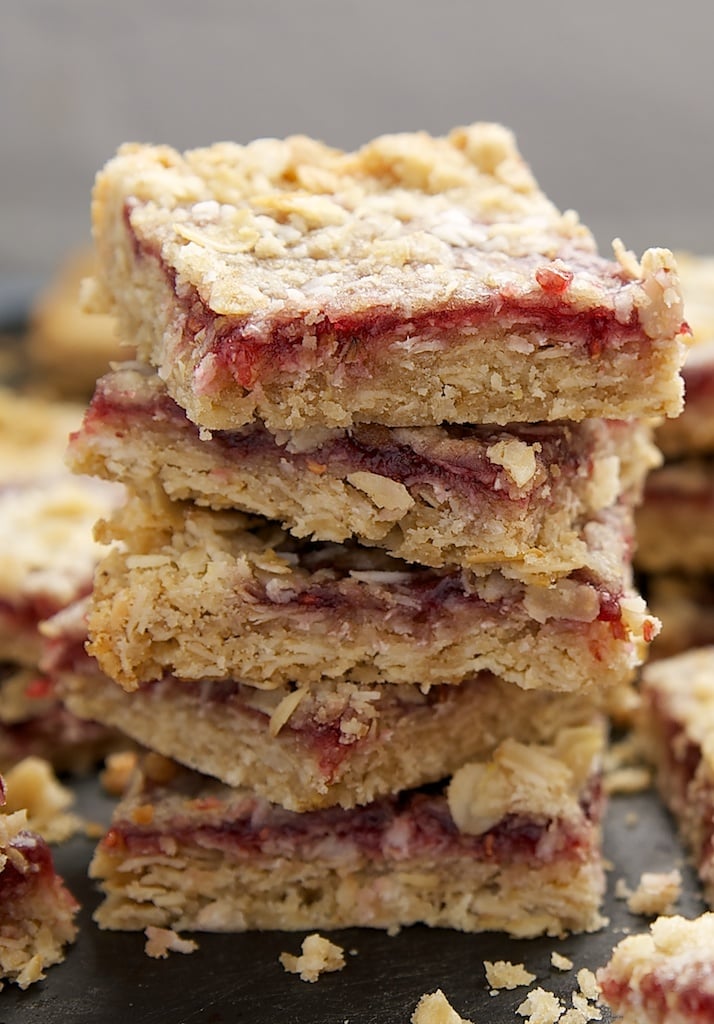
{"x": 540, "y": 1007}
{"x": 435, "y": 1008}
{"x": 562, "y": 963}
{"x": 162, "y": 941}
{"x": 318, "y": 956}
{"x": 656, "y": 893}
{"x": 504, "y": 974}
{"x": 588, "y": 983}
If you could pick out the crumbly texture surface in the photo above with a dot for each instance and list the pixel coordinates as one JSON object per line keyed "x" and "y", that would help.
{"x": 693, "y": 432}
{"x": 675, "y": 523}
{"x": 194, "y": 854}
{"x": 415, "y": 281}
{"x": 434, "y": 495}
{"x": 199, "y": 594}
{"x": 665, "y": 976}
{"x": 679, "y": 722}
{"x": 68, "y": 348}
{"x": 330, "y": 743}
{"x": 685, "y": 605}
{"x": 37, "y": 910}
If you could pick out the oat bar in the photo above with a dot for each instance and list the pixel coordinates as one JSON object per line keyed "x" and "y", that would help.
{"x": 512, "y": 844}
{"x": 329, "y": 743}
{"x": 205, "y": 595}
{"x": 415, "y": 281}
{"x": 434, "y": 495}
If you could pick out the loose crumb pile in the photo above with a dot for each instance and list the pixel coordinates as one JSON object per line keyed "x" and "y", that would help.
{"x": 319, "y": 956}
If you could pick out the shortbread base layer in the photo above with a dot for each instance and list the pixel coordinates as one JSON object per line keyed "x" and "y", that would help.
{"x": 679, "y": 702}
{"x": 675, "y": 523}
{"x": 438, "y": 495}
{"x": 190, "y": 854}
{"x": 199, "y": 595}
{"x": 332, "y": 744}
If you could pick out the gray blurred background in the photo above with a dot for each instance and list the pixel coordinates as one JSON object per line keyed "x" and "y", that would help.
{"x": 611, "y": 102}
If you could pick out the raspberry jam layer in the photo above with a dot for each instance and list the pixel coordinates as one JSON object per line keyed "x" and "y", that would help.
{"x": 456, "y": 460}
{"x": 411, "y": 825}
{"x": 355, "y": 343}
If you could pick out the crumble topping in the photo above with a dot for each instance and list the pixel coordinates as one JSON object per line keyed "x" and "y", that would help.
{"x": 525, "y": 779}
{"x": 284, "y": 228}
{"x": 318, "y": 956}
{"x": 560, "y": 962}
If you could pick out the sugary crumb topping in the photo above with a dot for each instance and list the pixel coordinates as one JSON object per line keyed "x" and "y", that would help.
{"x": 292, "y": 228}
{"x": 562, "y": 963}
{"x": 503, "y": 974}
{"x": 528, "y": 779}
{"x": 540, "y": 1007}
{"x": 162, "y": 941}
{"x": 318, "y": 956}
{"x": 434, "y": 1008}
{"x": 657, "y": 893}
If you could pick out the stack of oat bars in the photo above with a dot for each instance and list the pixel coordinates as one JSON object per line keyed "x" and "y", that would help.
{"x": 372, "y": 585}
